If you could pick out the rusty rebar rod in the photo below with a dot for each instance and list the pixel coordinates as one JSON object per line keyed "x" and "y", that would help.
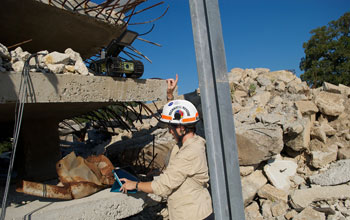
{"x": 20, "y": 43}
{"x": 150, "y": 21}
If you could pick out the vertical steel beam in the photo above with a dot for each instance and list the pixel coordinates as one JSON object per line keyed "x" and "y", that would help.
{"x": 217, "y": 110}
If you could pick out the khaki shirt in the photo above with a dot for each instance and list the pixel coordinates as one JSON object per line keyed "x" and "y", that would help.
{"x": 185, "y": 182}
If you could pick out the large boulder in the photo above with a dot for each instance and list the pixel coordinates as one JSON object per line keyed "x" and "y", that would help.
{"x": 281, "y": 75}
{"x": 264, "y": 140}
{"x": 297, "y": 134}
{"x": 330, "y": 103}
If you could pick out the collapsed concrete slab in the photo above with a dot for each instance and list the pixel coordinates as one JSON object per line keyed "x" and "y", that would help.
{"x": 56, "y": 25}
{"x": 303, "y": 197}
{"x": 338, "y": 173}
{"x": 101, "y": 205}
{"x": 53, "y": 98}
{"x": 54, "y": 88}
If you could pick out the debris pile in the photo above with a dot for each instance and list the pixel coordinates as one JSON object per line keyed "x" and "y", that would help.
{"x": 300, "y": 139}
{"x": 69, "y": 62}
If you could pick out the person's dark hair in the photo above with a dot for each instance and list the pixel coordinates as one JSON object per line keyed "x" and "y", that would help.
{"x": 191, "y": 127}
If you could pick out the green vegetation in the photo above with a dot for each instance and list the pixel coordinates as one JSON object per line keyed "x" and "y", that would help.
{"x": 252, "y": 89}
{"x": 327, "y": 54}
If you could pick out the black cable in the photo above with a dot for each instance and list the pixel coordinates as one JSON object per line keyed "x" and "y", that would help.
{"x": 22, "y": 94}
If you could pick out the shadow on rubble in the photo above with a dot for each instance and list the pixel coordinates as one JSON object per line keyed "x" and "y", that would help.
{"x": 130, "y": 151}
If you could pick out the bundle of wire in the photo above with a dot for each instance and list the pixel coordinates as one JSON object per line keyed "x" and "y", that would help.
{"x": 24, "y": 89}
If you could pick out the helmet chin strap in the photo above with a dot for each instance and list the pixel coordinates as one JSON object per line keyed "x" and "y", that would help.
{"x": 179, "y": 138}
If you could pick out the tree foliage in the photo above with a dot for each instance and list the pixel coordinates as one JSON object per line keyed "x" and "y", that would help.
{"x": 327, "y": 54}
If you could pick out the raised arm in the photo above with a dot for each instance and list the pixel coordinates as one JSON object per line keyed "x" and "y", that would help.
{"x": 172, "y": 83}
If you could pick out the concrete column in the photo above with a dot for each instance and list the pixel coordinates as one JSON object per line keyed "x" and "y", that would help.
{"x": 39, "y": 142}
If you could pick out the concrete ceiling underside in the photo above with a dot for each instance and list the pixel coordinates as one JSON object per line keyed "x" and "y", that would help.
{"x": 55, "y": 29}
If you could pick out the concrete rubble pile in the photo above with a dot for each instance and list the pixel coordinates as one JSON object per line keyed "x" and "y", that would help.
{"x": 300, "y": 139}
{"x": 69, "y": 62}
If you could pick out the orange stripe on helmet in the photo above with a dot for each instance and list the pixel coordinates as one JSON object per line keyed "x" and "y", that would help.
{"x": 166, "y": 117}
{"x": 189, "y": 119}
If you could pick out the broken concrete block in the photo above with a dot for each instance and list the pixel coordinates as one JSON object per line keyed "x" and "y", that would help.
{"x": 261, "y": 98}
{"x": 317, "y": 145}
{"x": 236, "y": 107}
{"x": 74, "y": 56}
{"x": 18, "y": 66}
{"x": 56, "y": 58}
{"x": 280, "y": 86}
{"x": 347, "y": 137}
{"x": 252, "y": 212}
{"x": 275, "y": 101}
{"x": 306, "y": 107}
{"x": 15, "y": 54}
{"x": 279, "y": 171}
{"x": 262, "y": 70}
{"x": 251, "y": 184}
{"x": 279, "y": 208}
{"x": 264, "y": 140}
{"x": 319, "y": 133}
{"x": 246, "y": 170}
{"x": 56, "y": 68}
{"x": 101, "y": 205}
{"x": 301, "y": 198}
{"x": 329, "y": 130}
{"x": 297, "y": 180}
{"x": 266, "y": 208}
{"x": 235, "y": 75}
{"x": 321, "y": 159}
{"x": 263, "y": 81}
{"x": 4, "y": 53}
{"x": 81, "y": 68}
{"x": 297, "y": 134}
{"x": 272, "y": 193}
{"x": 338, "y": 173}
{"x": 251, "y": 73}
{"x": 69, "y": 68}
{"x": 343, "y": 153}
{"x": 344, "y": 89}
{"x": 291, "y": 214}
{"x": 24, "y": 55}
{"x": 272, "y": 118}
{"x": 310, "y": 213}
{"x": 296, "y": 86}
{"x": 281, "y": 75}
{"x": 331, "y": 88}
{"x": 330, "y": 103}
{"x": 239, "y": 96}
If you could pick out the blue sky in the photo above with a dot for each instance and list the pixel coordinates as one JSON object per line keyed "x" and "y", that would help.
{"x": 257, "y": 34}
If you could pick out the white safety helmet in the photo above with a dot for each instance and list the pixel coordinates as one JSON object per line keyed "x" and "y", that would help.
{"x": 179, "y": 112}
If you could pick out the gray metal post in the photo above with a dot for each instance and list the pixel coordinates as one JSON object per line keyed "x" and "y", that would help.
{"x": 217, "y": 110}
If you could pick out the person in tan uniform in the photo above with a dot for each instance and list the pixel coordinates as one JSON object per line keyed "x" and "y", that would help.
{"x": 185, "y": 180}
